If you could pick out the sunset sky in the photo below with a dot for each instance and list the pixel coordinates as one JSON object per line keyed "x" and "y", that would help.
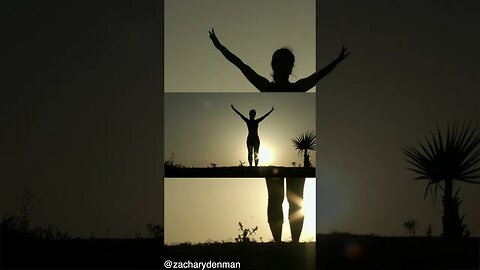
{"x": 82, "y": 116}
{"x": 200, "y": 210}
{"x": 251, "y": 29}
{"x": 201, "y": 128}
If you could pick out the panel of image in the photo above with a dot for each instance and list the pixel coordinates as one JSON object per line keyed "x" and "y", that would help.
{"x": 252, "y": 30}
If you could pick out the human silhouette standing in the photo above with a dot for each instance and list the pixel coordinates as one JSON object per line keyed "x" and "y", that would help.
{"x": 253, "y": 141}
{"x": 282, "y": 65}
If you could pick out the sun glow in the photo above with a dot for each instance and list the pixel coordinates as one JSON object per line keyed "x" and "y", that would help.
{"x": 265, "y": 155}
{"x": 309, "y": 209}
{"x": 309, "y": 212}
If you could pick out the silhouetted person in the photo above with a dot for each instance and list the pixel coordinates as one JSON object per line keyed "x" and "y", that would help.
{"x": 282, "y": 65}
{"x": 253, "y": 141}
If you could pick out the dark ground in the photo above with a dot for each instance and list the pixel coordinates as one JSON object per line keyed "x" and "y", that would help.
{"x": 344, "y": 251}
{"x": 334, "y": 251}
{"x": 239, "y": 172}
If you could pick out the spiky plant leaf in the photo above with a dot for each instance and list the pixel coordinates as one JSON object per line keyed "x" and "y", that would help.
{"x": 455, "y": 156}
{"x": 305, "y": 141}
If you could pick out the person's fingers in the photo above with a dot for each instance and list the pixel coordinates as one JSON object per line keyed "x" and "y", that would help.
{"x": 344, "y": 53}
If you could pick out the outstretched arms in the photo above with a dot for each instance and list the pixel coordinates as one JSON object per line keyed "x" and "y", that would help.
{"x": 267, "y": 114}
{"x": 239, "y": 113}
{"x": 307, "y": 83}
{"x": 258, "y": 81}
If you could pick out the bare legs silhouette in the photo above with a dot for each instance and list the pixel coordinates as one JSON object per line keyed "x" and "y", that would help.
{"x": 295, "y": 201}
{"x": 275, "y": 187}
{"x": 253, "y": 153}
{"x": 274, "y": 207}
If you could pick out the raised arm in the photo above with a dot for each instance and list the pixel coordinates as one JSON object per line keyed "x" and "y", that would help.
{"x": 239, "y": 113}
{"x": 258, "y": 81}
{"x": 267, "y": 114}
{"x": 309, "y": 82}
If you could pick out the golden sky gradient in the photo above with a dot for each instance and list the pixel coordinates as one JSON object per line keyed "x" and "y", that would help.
{"x": 201, "y": 210}
{"x": 201, "y": 128}
{"x": 251, "y": 29}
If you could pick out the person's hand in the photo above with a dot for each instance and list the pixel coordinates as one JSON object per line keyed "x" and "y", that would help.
{"x": 343, "y": 54}
{"x": 214, "y": 39}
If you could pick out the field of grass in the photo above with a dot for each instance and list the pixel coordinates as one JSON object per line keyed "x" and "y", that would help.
{"x": 236, "y": 172}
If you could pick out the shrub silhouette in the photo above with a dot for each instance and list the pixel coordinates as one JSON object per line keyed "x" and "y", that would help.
{"x": 246, "y": 235}
{"x": 411, "y": 226}
{"x": 19, "y": 226}
{"x": 303, "y": 143}
{"x": 155, "y": 231}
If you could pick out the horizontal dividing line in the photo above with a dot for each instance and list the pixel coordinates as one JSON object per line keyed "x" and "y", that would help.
{"x": 239, "y": 172}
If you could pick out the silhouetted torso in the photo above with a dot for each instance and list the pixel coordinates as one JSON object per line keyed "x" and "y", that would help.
{"x": 252, "y": 138}
{"x": 282, "y": 87}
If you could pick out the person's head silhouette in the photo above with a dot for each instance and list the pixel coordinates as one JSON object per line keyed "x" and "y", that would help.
{"x": 282, "y": 64}
{"x": 252, "y": 114}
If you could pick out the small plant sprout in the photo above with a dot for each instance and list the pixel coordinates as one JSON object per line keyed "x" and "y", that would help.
{"x": 428, "y": 231}
{"x": 246, "y": 235}
{"x": 411, "y": 226}
{"x": 155, "y": 231}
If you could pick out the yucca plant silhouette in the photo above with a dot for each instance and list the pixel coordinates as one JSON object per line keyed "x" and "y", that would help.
{"x": 304, "y": 142}
{"x": 442, "y": 161}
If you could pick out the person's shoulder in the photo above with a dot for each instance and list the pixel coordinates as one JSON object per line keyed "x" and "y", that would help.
{"x": 270, "y": 87}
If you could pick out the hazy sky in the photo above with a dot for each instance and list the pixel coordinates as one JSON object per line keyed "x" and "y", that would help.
{"x": 413, "y": 66}
{"x": 251, "y": 29}
{"x": 81, "y": 113}
{"x": 201, "y": 128}
{"x": 82, "y": 116}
